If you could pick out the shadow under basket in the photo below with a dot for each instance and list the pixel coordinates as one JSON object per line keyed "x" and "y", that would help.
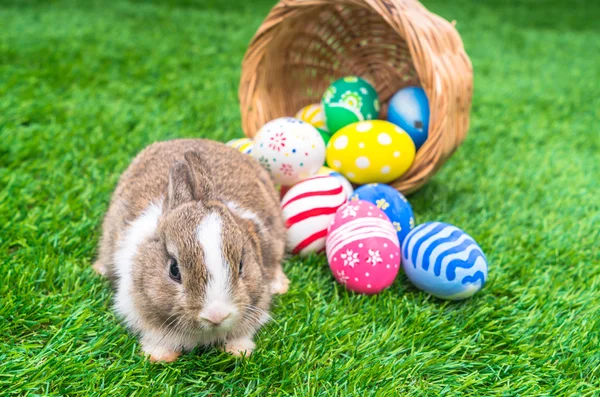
{"x": 304, "y": 45}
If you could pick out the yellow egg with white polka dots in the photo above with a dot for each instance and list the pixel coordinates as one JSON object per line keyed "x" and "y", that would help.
{"x": 371, "y": 151}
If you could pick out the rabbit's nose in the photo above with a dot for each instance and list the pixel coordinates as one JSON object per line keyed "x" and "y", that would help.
{"x": 215, "y": 316}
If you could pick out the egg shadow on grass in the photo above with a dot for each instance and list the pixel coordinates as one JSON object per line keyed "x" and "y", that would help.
{"x": 403, "y": 286}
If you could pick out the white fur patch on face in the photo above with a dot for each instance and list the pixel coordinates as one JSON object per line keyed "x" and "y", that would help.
{"x": 216, "y": 299}
{"x": 245, "y": 214}
{"x": 139, "y": 230}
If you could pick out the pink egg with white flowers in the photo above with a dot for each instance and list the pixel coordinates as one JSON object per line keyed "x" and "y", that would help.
{"x": 362, "y": 248}
{"x": 308, "y": 208}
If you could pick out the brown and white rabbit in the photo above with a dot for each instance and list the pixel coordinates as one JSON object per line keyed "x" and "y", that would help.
{"x": 193, "y": 242}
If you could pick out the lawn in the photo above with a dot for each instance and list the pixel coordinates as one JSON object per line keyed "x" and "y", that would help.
{"x": 85, "y": 85}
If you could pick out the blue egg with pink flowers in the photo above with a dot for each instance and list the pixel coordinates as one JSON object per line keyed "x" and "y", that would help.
{"x": 409, "y": 110}
{"x": 390, "y": 201}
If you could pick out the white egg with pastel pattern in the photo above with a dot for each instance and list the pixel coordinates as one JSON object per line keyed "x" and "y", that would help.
{"x": 244, "y": 145}
{"x": 371, "y": 151}
{"x": 313, "y": 115}
{"x": 290, "y": 149}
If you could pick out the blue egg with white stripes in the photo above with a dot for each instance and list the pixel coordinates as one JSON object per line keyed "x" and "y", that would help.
{"x": 409, "y": 110}
{"x": 392, "y": 202}
{"x": 444, "y": 261}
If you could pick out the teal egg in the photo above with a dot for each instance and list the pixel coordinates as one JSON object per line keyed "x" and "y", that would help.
{"x": 349, "y": 100}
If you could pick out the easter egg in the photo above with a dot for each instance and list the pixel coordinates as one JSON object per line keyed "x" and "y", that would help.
{"x": 444, "y": 261}
{"x": 348, "y": 100}
{"x": 244, "y": 145}
{"x": 371, "y": 151}
{"x": 313, "y": 115}
{"x": 392, "y": 202}
{"x": 289, "y": 149}
{"x": 282, "y": 191}
{"x": 409, "y": 109}
{"x": 362, "y": 248}
{"x": 308, "y": 208}
{"x": 348, "y": 189}
{"x": 325, "y": 135}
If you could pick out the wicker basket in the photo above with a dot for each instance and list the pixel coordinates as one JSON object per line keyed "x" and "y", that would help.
{"x": 304, "y": 45}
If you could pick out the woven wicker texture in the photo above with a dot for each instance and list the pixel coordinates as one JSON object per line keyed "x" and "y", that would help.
{"x": 304, "y": 45}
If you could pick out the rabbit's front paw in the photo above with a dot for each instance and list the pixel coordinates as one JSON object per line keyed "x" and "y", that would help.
{"x": 280, "y": 283}
{"x": 158, "y": 352}
{"x": 240, "y": 347}
{"x": 99, "y": 268}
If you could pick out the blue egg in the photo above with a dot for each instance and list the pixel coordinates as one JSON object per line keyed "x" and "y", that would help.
{"x": 409, "y": 110}
{"x": 443, "y": 260}
{"x": 392, "y": 202}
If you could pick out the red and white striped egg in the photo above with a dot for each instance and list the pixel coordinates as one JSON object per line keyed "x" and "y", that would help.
{"x": 308, "y": 209}
{"x": 363, "y": 250}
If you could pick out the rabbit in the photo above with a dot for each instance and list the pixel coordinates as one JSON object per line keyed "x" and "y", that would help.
{"x": 192, "y": 243}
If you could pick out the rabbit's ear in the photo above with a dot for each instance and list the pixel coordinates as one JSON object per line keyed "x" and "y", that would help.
{"x": 180, "y": 189}
{"x": 203, "y": 189}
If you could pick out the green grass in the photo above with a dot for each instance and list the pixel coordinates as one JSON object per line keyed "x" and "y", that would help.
{"x": 84, "y": 86}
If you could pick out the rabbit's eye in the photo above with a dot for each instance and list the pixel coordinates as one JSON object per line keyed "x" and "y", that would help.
{"x": 241, "y": 265}
{"x": 174, "y": 270}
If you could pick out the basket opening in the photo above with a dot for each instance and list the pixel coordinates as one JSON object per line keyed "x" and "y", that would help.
{"x": 303, "y": 45}
{"x": 322, "y": 43}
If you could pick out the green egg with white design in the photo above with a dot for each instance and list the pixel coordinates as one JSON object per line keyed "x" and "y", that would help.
{"x": 349, "y": 100}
